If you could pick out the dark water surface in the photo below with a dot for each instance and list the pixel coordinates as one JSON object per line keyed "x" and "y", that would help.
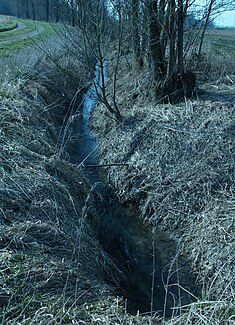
{"x": 155, "y": 278}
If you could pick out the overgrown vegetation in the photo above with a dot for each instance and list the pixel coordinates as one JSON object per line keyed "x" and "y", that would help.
{"x": 52, "y": 267}
{"x": 181, "y": 175}
{"x": 175, "y": 163}
{"x": 42, "y": 228}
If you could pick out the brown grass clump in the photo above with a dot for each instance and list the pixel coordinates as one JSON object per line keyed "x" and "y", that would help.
{"x": 52, "y": 268}
{"x": 44, "y": 236}
{"x": 181, "y": 175}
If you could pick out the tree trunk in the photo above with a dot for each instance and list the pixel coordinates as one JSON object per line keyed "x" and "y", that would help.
{"x": 157, "y": 60}
{"x": 18, "y": 8}
{"x": 180, "y": 44}
{"x": 205, "y": 26}
{"x": 27, "y": 16}
{"x": 33, "y": 10}
{"x": 56, "y": 11}
{"x": 135, "y": 33}
{"x": 47, "y": 10}
{"x": 172, "y": 36}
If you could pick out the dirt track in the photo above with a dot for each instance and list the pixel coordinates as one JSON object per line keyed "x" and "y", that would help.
{"x": 13, "y": 38}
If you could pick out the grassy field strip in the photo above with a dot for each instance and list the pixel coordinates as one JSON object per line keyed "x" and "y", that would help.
{"x": 26, "y": 26}
{"x": 30, "y": 33}
{"x": 4, "y": 19}
{"x": 224, "y": 47}
{"x": 9, "y": 26}
{"x": 222, "y": 39}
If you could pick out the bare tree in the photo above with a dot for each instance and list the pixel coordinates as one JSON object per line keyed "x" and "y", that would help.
{"x": 158, "y": 23}
{"x": 47, "y": 9}
{"x": 26, "y": 7}
{"x": 172, "y": 35}
{"x": 213, "y": 8}
{"x": 103, "y": 43}
{"x": 136, "y": 34}
{"x": 180, "y": 41}
{"x": 156, "y": 49}
{"x": 8, "y": 7}
{"x": 166, "y": 46}
{"x": 94, "y": 38}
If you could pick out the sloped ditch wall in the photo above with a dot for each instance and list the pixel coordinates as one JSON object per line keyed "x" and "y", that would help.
{"x": 155, "y": 278}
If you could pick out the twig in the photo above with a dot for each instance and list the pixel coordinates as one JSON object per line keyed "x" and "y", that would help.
{"x": 153, "y": 273}
{"x": 104, "y": 165}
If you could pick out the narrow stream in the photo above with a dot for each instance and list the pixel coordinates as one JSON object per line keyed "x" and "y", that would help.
{"x": 155, "y": 278}
{"x": 84, "y": 150}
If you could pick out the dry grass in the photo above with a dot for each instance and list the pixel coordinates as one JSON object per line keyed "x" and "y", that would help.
{"x": 181, "y": 175}
{"x": 217, "y": 61}
{"x": 52, "y": 268}
{"x": 44, "y": 234}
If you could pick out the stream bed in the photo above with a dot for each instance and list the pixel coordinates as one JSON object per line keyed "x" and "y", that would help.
{"x": 155, "y": 278}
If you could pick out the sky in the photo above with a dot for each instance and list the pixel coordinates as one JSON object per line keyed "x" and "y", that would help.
{"x": 226, "y": 19}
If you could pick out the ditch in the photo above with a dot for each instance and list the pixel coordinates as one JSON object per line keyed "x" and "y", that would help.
{"x": 155, "y": 278}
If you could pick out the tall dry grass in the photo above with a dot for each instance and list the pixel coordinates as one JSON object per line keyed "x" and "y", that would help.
{"x": 181, "y": 176}
{"x": 52, "y": 268}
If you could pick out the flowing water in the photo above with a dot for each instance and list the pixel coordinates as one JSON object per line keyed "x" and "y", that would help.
{"x": 155, "y": 278}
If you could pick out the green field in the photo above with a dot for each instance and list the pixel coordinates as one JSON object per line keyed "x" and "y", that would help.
{"x": 222, "y": 39}
{"x": 8, "y": 26}
{"x": 30, "y": 33}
